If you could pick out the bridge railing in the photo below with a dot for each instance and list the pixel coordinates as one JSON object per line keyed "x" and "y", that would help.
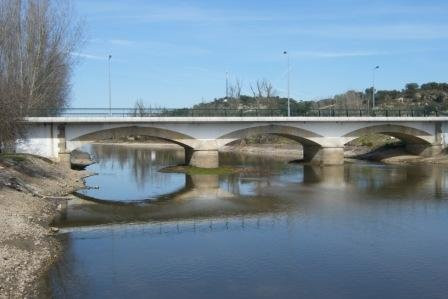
{"x": 188, "y": 112}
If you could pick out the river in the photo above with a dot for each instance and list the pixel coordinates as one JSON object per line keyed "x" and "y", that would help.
{"x": 282, "y": 230}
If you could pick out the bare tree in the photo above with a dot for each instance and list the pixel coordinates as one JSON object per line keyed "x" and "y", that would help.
{"x": 235, "y": 89}
{"x": 37, "y": 39}
{"x": 140, "y": 109}
{"x": 263, "y": 91}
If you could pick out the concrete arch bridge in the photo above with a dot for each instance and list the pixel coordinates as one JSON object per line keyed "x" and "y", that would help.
{"x": 323, "y": 138}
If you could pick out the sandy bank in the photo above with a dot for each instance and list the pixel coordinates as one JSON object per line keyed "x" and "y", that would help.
{"x": 31, "y": 194}
{"x": 398, "y": 155}
{"x": 280, "y": 151}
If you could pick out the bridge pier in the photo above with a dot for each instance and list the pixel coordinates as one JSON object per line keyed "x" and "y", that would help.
{"x": 202, "y": 158}
{"x": 316, "y": 154}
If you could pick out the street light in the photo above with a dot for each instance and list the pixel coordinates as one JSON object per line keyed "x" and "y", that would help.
{"x": 227, "y": 85}
{"x": 373, "y": 85}
{"x": 287, "y": 56}
{"x": 110, "y": 87}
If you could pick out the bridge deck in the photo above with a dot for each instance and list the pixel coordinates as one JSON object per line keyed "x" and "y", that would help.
{"x": 114, "y": 119}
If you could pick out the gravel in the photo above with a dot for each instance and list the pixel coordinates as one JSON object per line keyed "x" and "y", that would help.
{"x": 28, "y": 246}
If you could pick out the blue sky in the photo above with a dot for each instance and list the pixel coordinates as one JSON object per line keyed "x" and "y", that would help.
{"x": 176, "y": 53}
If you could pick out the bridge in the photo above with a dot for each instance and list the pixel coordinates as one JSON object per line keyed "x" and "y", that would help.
{"x": 322, "y": 133}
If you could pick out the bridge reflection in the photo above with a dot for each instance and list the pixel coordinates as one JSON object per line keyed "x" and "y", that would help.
{"x": 213, "y": 197}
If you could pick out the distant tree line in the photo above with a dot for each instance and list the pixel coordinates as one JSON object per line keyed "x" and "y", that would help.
{"x": 429, "y": 96}
{"x": 37, "y": 38}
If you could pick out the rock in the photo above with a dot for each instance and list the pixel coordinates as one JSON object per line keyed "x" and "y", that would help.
{"x": 80, "y": 160}
{"x": 54, "y": 229}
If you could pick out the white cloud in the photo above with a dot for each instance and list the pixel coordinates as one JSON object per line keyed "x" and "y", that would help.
{"x": 88, "y": 56}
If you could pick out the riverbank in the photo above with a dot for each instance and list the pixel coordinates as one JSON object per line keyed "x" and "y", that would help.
{"x": 377, "y": 151}
{"x": 277, "y": 151}
{"x": 32, "y": 193}
{"x": 396, "y": 154}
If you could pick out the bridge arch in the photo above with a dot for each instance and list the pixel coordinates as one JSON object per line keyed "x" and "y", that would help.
{"x": 408, "y": 135}
{"x": 417, "y": 141}
{"x": 304, "y": 137}
{"x": 183, "y": 140}
{"x": 315, "y": 148}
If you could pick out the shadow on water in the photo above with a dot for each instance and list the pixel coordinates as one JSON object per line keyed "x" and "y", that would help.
{"x": 253, "y": 234}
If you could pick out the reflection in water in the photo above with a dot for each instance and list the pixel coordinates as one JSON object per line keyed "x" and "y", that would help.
{"x": 285, "y": 230}
{"x": 131, "y": 173}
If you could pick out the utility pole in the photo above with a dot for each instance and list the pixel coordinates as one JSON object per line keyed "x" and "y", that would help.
{"x": 227, "y": 85}
{"x": 110, "y": 87}
{"x": 373, "y": 86}
{"x": 288, "y": 83}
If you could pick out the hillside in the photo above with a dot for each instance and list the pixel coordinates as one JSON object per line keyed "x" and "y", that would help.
{"x": 430, "y": 96}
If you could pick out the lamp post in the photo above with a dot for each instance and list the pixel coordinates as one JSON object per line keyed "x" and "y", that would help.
{"x": 288, "y": 84}
{"x": 373, "y": 86}
{"x": 227, "y": 85}
{"x": 110, "y": 87}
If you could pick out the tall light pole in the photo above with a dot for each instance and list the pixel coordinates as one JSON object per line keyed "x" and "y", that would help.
{"x": 373, "y": 85}
{"x": 288, "y": 87}
{"x": 110, "y": 86}
{"x": 227, "y": 85}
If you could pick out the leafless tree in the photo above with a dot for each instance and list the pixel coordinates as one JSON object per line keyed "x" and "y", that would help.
{"x": 139, "y": 109}
{"x": 235, "y": 89}
{"x": 349, "y": 100}
{"x": 263, "y": 91}
{"x": 37, "y": 40}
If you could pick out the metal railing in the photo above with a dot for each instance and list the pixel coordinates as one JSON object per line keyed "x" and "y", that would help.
{"x": 190, "y": 112}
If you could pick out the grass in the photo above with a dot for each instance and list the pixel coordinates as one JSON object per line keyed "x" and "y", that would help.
{"x": 191, "y": 170}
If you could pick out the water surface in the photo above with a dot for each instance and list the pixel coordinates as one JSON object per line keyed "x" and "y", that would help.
{"x": 284, "y": 231}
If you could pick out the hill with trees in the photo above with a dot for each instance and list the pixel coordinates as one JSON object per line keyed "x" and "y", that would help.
{"x": 430, "y": 97}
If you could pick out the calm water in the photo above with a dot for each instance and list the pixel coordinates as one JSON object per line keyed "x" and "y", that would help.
{"x": 280, "y": 231}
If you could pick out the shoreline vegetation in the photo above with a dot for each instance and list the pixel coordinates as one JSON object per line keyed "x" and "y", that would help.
{"x": 34, "y": 191}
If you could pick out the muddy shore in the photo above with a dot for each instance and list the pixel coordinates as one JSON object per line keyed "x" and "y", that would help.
{"x": 32, "y": 192}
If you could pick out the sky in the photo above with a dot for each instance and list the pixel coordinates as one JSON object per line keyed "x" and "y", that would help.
{"x": 176, "y": 53}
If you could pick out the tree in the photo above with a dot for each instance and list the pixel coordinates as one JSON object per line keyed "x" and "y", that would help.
{"x": 411, "y": 90}
{"x": 235, "y": 89}
{"x": 349, "y": 100}
{"x": 263, "y": 91}
{"x": 139, "y": 109}
{"x": 37, "y": 39}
